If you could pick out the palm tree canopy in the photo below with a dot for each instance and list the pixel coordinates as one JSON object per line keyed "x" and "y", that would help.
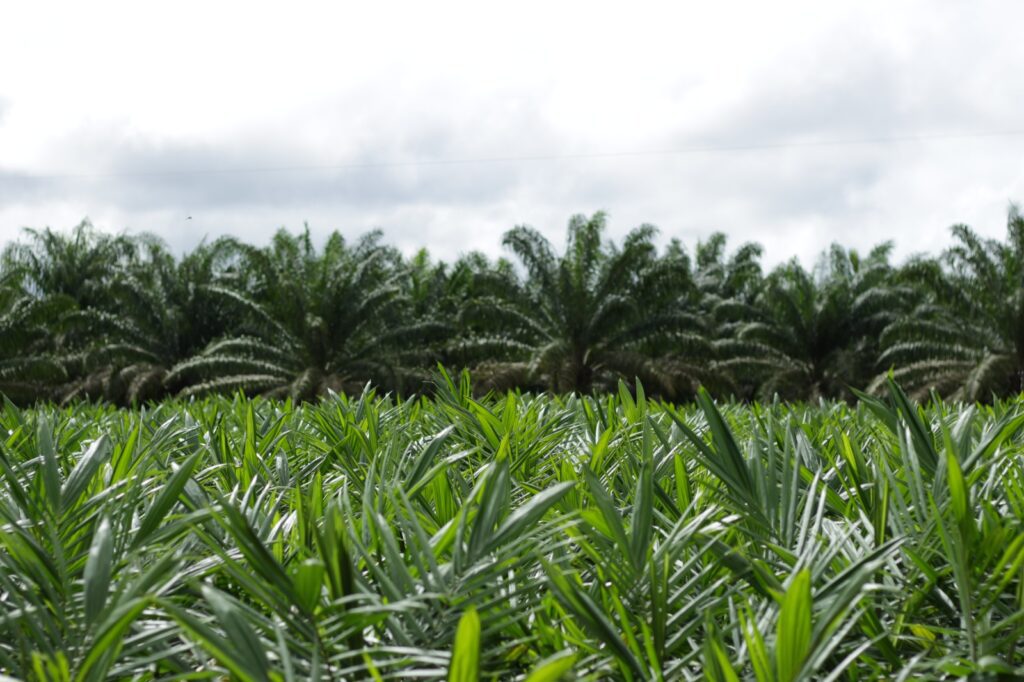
{"x": 591, "y": 314}
{"x": 814, "y": 330}
{"x": 313, "y": 320}
{"x": 29, "y": 365}
{"x": 965, "y": 338}
{"x": 77, "y": 264}
{"x": 85, "y": 314}
{"x": 163, "y": 311}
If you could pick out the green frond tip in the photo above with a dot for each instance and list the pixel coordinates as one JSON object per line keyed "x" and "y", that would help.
{"x": 465, "y": 663}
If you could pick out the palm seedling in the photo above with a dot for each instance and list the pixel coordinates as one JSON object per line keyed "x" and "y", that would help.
{"x": 511, "y": 537}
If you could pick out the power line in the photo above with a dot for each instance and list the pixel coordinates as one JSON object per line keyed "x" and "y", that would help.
{"x": 412, "y": 163}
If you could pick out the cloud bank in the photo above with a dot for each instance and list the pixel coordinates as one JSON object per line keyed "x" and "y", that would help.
{"x": 248, "y": 121}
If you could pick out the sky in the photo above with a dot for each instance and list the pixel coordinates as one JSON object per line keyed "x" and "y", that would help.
{"x": 793, "y": 124}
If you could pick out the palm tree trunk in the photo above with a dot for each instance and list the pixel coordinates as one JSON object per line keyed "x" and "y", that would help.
{"x": 583, "y": 378}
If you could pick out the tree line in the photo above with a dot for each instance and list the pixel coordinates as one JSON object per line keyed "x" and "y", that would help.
{"x": 91, "y": 315}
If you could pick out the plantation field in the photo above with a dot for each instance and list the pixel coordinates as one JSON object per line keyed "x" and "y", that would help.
{"x": 511, "y": 537}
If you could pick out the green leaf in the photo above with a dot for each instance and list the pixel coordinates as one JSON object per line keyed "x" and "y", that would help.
{"x": 923, "y": 441}
{"x": 759, "y": 659}
{"x": 611, "y": 516}
{"x": 526, "y": 516}
{"x": 717, "y": 667}
{"x": 109, "y": 640}
{"x": 247, "y": 651}
{"x": 98, "y": 570}
{"x": 793, "y": 632}
{"x": 308, "y": 578}
{"x": 642, "y": 520}
{"x": 427, "y": 457}
{"x": 493, "y": 504}
{"x": 80, "y": 477}
{"x": 51, "y": 470}
{"x": 553, "y": 668}
{"x": 465, "y": 664}
{"x": 163, "y": 503}
{"x": 957, "y": 488}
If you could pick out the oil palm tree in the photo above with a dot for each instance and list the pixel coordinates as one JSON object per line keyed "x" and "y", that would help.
{"x": 314, "y": 322}
{"x": 725, "y": 294}
{"x": 70, "y": 274}
{"x": 447, "y": 294}
{"x": 78, "y": 264}
{"x": 165, "y": 311}
{"x": 585, "y": 318}
{"x": 966, "y": 337}
{"x": 30, "y": 370}
{"x": 816, "y": 336}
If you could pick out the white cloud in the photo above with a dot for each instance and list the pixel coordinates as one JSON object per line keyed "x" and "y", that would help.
{"x": 131, "y": 100}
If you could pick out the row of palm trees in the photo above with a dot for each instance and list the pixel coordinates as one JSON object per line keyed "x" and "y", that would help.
{"x": 90, "y": 315}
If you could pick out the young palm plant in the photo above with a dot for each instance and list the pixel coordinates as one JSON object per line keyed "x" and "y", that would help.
{"x": 512, "y": 536}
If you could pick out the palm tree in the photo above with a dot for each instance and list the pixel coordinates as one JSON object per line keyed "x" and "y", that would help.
{"x": 446, "y": 294}
{"x": 78, "y": 268}
{"x": 816, "y": 336}
{"x": 725, "y": 294}
{"x": 966, "y": 337}
{"x": 735, "y": 277}
{"x": 590, "y": 316}
{"x": 70, "y": 275}
{"x": 164, "y": 312}
{"x": 77, "y": 264}
{"x": 29, "y": 369}
{"x": 315, "y": 322}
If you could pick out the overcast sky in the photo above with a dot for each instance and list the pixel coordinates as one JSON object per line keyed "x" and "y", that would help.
{"x": 445, "y": 124}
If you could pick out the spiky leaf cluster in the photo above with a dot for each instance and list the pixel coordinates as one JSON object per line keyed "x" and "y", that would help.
{"x": 512, "y": 537}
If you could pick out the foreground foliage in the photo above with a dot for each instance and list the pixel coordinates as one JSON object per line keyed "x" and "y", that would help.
{"x": 512, "y": 537}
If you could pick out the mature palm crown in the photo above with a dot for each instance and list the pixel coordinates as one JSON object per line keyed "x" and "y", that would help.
{"x": 449, "y": 299}
{"x": 316, "y": 321}
{"x": 85, "y": 314}
{"x": 816, "y": 333}
{"x": 725, "y": 293}
{"x": 28, "y": 366}
{"x": 966, "y": 339}
{"x": 77, "y": 264}
{"x": 594, "y": 313}
{"x": 164, "y": 312}
{"x": 715, "y": 290}
{"x": 63, "y": 287}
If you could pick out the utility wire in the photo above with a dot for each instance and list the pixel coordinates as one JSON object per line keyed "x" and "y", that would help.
{"x": 708, "y": 149}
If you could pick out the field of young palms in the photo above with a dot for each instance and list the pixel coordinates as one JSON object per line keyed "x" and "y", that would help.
{"x": 512, "y": 537}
